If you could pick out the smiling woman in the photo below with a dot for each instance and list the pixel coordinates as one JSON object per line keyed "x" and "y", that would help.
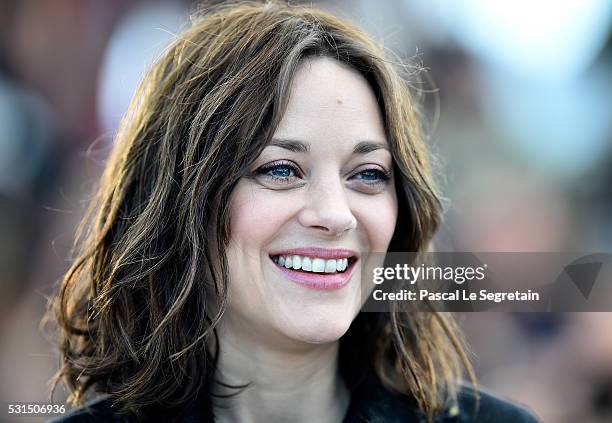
{"x": 265, "y": 156}
{"x": 311, "y": 205}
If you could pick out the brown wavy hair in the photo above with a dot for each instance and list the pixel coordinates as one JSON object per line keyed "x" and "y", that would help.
{"x": 134, "y": 310}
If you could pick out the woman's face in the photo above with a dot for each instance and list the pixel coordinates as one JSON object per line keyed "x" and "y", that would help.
{"x": 317, "y": 199}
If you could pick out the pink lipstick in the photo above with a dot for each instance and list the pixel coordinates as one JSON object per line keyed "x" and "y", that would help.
{"x": 316, "y": 268}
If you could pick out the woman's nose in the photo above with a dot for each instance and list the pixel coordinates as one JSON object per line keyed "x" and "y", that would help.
{"x": 327, "y": 209}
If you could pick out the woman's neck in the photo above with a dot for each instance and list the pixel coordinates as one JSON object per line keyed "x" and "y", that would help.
{"x": 300, "y": 383}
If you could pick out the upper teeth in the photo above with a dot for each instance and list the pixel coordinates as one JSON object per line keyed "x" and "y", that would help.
{"x": 310, "y": 264}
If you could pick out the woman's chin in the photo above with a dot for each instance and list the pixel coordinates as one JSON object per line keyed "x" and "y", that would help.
{"x": 316, "y": 330}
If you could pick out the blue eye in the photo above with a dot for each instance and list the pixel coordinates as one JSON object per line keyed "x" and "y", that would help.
{"x": 282, "y": 172}
{"x": 372, "y": 176}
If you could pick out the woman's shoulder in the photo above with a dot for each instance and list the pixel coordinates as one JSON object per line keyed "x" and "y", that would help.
{"x": 375, "y": 403}
{"x": 101, "y": 410}
{"x": 96, "y": 410}
{"x": 481, "y": 406}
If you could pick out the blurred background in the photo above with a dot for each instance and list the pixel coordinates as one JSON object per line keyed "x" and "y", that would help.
{"x": 521, "y": 125}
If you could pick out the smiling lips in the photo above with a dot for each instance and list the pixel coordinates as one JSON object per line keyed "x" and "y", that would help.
{"x": 316, "y": 268}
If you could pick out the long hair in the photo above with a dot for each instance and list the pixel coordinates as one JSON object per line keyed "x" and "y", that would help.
{"x": 134, "y": 310}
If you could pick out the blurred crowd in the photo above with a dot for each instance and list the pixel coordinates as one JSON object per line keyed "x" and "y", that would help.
{"x": 519, "y": 111}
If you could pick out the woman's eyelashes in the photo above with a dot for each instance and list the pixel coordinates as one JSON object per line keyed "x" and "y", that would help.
{"x": 287, "y": 174}
{"x": 373, "y": 176}
{"x": 280, "y": 172}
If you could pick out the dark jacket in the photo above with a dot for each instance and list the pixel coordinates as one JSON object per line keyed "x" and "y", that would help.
{"x": 370, "y": 403}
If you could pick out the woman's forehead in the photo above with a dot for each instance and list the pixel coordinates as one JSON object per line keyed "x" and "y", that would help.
{"x": 332, "y": 102}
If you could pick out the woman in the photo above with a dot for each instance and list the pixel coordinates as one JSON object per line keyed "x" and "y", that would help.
{"x": 265, "y": 155}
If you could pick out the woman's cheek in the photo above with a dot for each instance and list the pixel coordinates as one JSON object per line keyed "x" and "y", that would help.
{"x": 377, "y": 216}
{"x": 257, "y": 214}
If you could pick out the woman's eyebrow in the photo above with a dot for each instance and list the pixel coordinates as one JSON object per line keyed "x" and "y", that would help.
{"x": 365, "y": 147}
{"x": 291, "y": 145}
{"x": 296, "y": 146}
